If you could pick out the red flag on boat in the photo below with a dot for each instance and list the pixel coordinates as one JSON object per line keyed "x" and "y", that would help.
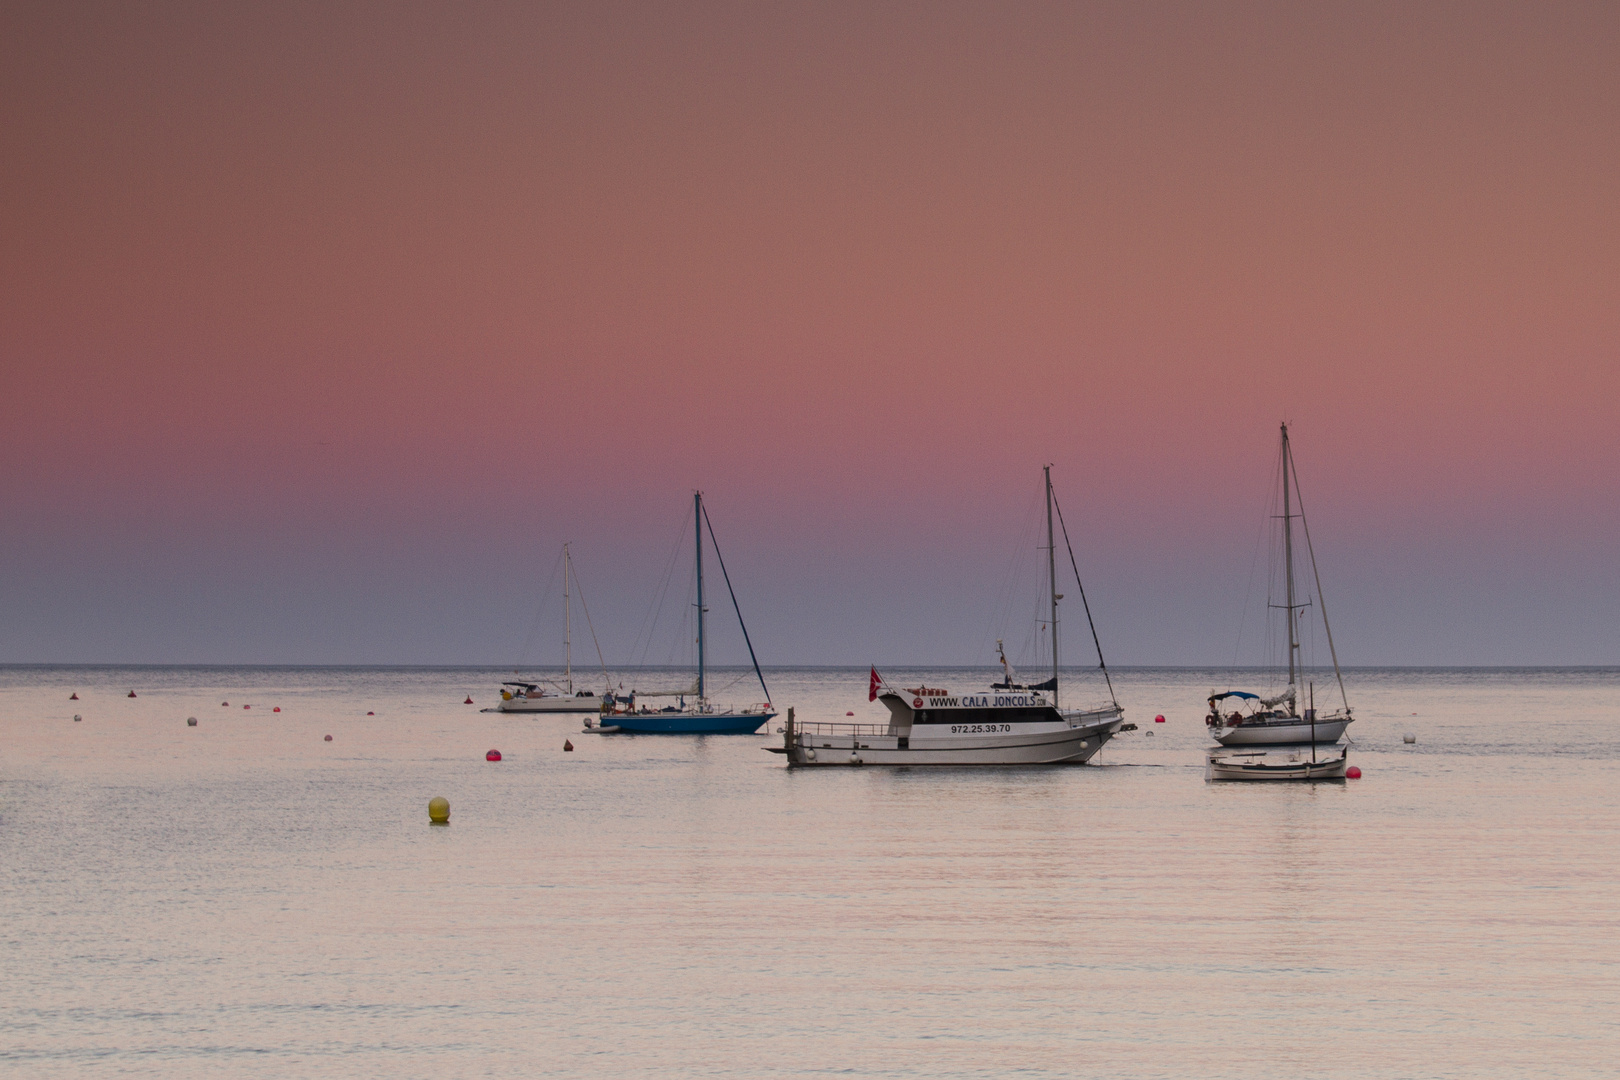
{"x": 877, "y": 681}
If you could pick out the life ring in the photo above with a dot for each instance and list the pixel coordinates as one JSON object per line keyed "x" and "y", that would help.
{"x": 916, "y": 703}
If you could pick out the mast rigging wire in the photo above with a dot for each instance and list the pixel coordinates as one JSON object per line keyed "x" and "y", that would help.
{"x": 539, "y": 612}
{"x": 1293, "y": 467}
{"x": 721, "y": 560}
{"x": 639, "y": 648}
{"x": 606, "y": 680}
{"x": 1085, "y": 603}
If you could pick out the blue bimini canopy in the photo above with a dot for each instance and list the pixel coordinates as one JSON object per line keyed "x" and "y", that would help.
{"x": 1236, "y": 693}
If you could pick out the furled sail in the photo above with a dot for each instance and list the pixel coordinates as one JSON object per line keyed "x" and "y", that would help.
{"x": 690, "y": 691}
{"x": 1286, "y": 695}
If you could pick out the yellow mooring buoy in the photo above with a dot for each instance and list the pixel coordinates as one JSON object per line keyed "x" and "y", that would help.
{"x": 438, "y": 810}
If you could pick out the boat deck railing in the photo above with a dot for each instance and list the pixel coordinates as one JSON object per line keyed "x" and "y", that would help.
{"x": 819, "y": 727}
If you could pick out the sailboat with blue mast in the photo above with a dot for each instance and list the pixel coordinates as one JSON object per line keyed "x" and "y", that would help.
{"x": 694, "y": 714}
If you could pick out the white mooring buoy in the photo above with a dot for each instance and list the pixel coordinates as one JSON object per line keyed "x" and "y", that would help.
{"x": 1408, "y": 738}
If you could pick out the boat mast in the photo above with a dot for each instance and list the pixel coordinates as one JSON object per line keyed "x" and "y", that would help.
{"x": 1288, "y": 560}
{"x": 568, "y": 627}
{"x": 726, "y": 577}
{"x": 697, "y": 523}
{"x": 1051, "y": 580}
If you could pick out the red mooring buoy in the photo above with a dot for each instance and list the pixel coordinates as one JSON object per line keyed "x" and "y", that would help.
{"x": 224, "y": 704}
{"x": 276, "y": 709}
{"x": 468, "y": 701}
{"x": 493, "y": 755}
{"x": 371, "y": 714}
{"x": 849, "y": 714}
{"x": 1159, "y": 719}
{"x": 329, "y": 738}
{"x": 132, "y": 693}
{"x": 73, "y": 696}
{"x": 1353, "y": 773}
{"x": 568, "y": 746}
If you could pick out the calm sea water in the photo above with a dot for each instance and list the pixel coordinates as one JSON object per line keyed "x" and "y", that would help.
{"x": 243, "y": 898}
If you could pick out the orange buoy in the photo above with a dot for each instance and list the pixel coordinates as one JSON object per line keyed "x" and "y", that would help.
{"x": 468, "y": 701}
{"x": 1159, "y": 719}
{"x": 568, "y": 746}
{"x": 493, "y": 755}
{"x": 132, "y": 693}
{"x": 1353, "y": 773}
{"x": 73, "y": 696}
{"x": 329, "y": 738}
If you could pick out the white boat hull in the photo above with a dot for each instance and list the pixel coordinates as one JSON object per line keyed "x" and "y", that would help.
{"x": 1273, "y": 733}
{"x": 1036, "y": 744}
{"x": 1263, "y": 767}
{"x": 551, "y": 704}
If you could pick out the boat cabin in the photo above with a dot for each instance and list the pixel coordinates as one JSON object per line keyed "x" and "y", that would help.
{"x": 1251, "y": 708}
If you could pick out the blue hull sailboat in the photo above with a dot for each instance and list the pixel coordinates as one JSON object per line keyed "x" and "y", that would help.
{"x": 696, "y": 714}
{"x": 687, "y": 722}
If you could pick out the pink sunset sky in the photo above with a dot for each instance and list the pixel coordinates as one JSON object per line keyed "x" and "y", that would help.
{"x": 323, "y": 326}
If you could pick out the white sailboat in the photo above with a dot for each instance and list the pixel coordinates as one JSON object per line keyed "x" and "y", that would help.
{"x": 1006, "y": 725}
{"x": 1275, "y": 720}
{"x": 534, "y": 697}
{"x": 1297, "y": 764}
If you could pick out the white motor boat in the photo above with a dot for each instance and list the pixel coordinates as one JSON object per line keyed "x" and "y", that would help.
{"x": 1005, "y": 725}
{"x": 1277, "y": 720}
{"x": 929, "y": 726}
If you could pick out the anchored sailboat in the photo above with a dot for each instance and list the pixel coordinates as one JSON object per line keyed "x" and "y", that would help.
{"x": 694, "y": 714}
{"x": 1276, "y": 720}
{"x": 1278, "y": 765}
{"x": 1011, "y": 724}
{"x": 532, "y": 697}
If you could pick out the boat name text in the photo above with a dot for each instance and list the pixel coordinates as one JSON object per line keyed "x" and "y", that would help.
{"x": 984, "y": 701}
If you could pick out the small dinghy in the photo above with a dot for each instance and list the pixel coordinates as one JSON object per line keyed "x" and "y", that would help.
{"x": 1275, "y": 765}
